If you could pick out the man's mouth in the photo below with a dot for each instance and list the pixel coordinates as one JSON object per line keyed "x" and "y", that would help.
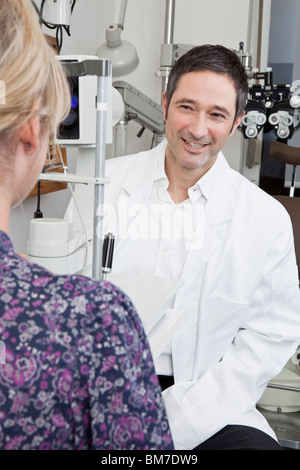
{"x": 194, "y": 144}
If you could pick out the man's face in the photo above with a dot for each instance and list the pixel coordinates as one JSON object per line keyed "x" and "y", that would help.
{"x": 200, "y": 118}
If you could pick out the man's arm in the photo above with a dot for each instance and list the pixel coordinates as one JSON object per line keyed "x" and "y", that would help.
{"x": 266, "y": 339}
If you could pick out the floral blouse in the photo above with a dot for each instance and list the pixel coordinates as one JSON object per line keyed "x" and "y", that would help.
{"x": 76, "y": 372}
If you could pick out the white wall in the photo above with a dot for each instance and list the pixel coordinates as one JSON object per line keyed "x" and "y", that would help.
{"x": 196, "y": 22}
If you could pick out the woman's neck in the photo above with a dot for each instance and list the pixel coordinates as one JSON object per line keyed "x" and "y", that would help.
{"x": 4, "y": 210}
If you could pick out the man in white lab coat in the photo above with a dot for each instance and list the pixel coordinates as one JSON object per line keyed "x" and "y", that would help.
{"x": 184, "y": 213}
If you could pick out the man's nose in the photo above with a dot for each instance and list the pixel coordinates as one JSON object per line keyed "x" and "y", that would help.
{"x": 199, "y": 126}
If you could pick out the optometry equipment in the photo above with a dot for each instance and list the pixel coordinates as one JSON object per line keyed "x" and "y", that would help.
{"x": 61, "y": 246}
{"x": 269, "y": 107}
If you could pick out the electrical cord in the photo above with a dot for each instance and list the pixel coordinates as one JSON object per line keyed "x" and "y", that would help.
{"x": 38, "y": 213}
{"x": 59, "y": 28}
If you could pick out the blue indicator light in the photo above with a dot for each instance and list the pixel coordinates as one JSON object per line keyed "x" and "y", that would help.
{"x": 74, "y": 101}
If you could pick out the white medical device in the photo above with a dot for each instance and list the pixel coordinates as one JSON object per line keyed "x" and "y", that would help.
{"x": 142, "y": 110}
{"x": 55, "y": 12}
{"x": 63, "y": 245}
{"x": 79, "y": 128}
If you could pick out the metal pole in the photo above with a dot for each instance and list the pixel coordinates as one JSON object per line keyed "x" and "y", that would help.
{"x": 101, "y": 116}
{"x": 284, "y": 387}
{"x": 169, "y": 21}
{"x": 120, "y": 147}
{"x": 169, "y": 32}
{"x": 122, "y": 13}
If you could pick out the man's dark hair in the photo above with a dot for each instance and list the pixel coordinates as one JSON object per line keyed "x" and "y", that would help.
{"x": 214, "y": 58}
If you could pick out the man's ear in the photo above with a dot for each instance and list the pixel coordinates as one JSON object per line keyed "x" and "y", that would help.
{"x": 236, "y": 123}
{"x": 29, "y": 134}
{"x": 164, "y": 104}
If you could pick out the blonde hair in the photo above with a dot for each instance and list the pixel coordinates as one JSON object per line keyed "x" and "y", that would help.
{"x": 34, "y": 82}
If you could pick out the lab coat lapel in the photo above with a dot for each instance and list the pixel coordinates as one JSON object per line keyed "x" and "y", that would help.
{"x": 138, "y": 182}
{"x": 136, "y": 188}
{"x": 190, "y": 294}
{"x": 217, "y": 215}
{"x": 217, "y": 212}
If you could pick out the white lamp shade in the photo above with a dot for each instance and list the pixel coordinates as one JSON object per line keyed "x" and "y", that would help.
{"x": 122, "y": 54}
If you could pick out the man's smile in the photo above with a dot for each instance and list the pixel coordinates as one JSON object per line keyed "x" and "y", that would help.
{"x": 194, "y": 145}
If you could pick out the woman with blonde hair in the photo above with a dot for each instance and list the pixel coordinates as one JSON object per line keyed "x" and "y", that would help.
{"x": 78, "y": 372}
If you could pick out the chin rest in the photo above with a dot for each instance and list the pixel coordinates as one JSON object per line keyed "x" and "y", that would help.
{"x": 292, "y": 205}
{"x": 290, "y": 155}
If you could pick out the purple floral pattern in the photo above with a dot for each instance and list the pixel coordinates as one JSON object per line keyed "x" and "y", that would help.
{"x": 78, "y": 371}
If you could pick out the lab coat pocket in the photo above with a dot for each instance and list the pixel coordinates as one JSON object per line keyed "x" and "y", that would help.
{"x": 221, "y": 319}
{"x": 221, "y": 311}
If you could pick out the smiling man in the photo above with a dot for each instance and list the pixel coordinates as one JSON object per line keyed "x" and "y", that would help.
{"x": 230, "y": 243}
{"x": 199, "y": 119}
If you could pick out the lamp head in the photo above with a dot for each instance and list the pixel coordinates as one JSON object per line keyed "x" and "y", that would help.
{"x": 122, "y": 54}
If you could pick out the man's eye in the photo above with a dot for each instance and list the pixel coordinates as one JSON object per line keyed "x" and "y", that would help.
{"x": 219, "y": 116}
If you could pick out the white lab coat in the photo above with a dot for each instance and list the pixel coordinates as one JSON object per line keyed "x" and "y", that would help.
{"x": 243, "y": 288}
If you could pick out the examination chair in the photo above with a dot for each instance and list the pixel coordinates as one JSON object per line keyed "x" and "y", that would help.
{"x": 280, "y": 404}
{"x": 290, "y": 155}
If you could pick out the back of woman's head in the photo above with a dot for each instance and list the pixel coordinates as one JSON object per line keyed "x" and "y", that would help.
{"x": 30, "y": 73}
